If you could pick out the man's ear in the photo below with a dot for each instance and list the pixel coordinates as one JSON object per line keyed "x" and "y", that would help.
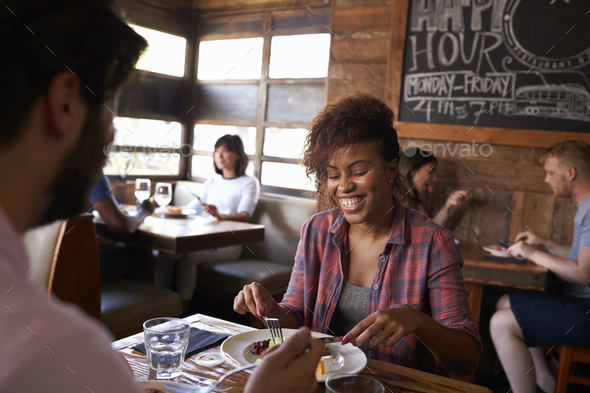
{"x": 65, "y": 106}
{"x": 571, "y": 173}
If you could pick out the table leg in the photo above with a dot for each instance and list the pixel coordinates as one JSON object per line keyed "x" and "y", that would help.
{"x": 474, "y": 293}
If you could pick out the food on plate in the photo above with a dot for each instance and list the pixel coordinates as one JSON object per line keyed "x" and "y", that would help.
{"x": 324, "y": 366}
{"x": 173, "y": 209}
{"x": 260, "y": 346}
{"x": 150, "y": 390}
{"x": 498, "y": 248}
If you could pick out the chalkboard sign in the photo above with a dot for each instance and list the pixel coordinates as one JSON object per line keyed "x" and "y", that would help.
{"x": 499, "y": 63}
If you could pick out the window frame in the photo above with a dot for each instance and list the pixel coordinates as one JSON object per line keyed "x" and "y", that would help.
{"x": 182, "y": 25}
{"x": 263, "y": 86}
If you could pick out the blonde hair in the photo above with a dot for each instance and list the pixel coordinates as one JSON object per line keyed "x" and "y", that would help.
{"x": 571, "y": 153}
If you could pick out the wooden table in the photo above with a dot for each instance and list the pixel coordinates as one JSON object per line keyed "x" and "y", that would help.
{"x": 395, "y": 378}
{"x": 185, "y": 235}
{"x": 477, "y": 272}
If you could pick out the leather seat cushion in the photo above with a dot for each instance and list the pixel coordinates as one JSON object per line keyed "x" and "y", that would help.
{"x": 125, "y": 304}
{"x": 232, "y": 276}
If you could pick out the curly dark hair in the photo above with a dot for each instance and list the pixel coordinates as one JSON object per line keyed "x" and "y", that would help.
{"x": 352, "y": 118}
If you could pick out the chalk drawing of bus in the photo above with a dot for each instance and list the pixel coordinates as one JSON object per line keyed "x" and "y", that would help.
{"x": 568, "y": 101}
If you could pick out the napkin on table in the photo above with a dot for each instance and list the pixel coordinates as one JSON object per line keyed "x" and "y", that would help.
{"x": 198, "y": 341}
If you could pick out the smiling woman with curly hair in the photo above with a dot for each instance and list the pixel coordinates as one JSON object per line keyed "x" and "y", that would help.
{"x": 385, "y": 276}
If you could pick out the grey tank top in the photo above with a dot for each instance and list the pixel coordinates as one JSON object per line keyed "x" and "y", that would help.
{"x": 352, "y": 308}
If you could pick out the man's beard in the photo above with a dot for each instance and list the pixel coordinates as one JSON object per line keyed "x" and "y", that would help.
{"x": 70, "y": 189}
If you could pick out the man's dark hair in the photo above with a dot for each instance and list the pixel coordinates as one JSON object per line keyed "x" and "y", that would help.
{"x": 41, "y": 38}
{"x": 233, "y": 143}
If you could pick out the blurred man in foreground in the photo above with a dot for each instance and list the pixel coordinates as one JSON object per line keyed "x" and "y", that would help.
{"x": 62, "y": 63}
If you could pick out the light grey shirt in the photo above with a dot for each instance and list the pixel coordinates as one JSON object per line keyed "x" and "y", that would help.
{"x": 48, "y": 345}
{"x": 352, "y": 308}
{"x": 581, "y": 239}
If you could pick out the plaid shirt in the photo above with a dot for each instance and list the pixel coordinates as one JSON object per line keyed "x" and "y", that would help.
{"x": 420, "y": 268}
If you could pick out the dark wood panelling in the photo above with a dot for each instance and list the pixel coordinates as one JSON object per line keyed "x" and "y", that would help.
{"x": 357, "y": 71}
{"x": 347, "y": 3}
{"x": 294, "y": 103}
{"x": 319, "y": 18}
{"x": 517, "y": 211}
{"x": 251, "y": 5}
{"x": 360, "y": 50}
{"x": 457, "y": 150}
{"x": 568, "y": 229}
{"x": 362, "y": 18}
{"x": 227, "y": 102}
{"x": 156, "y": 17}
{"x": 491, "y": 220}
{"x": 236, "y": 26}
{"x": 338, "y": 87}
{"x": 558, "y": 219}
{"x": 495, "y": 175}
{"x": 148, "y": 95}
{"x": 538, "y": 213}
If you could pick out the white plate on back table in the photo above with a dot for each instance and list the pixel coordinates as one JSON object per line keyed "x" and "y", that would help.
{"x": 498, "y": 253}
{"x": 236, "y": 351}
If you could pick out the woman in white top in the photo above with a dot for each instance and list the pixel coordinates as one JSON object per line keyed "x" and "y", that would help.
{"x": 231, "y": 195}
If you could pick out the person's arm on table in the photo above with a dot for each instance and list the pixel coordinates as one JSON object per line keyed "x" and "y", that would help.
{"x": 241, "y": 216}
{"x": 288, "y": 368}
{"x": 117, "y": 221}
{"x": 559, "y": 250}
{"x": 571, "y": 270}
{"x": 452, "y": 347}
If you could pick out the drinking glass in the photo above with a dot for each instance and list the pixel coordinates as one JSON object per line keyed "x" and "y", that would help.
{"x": 353, "y": 383}
{"x": 143, "y": 189}
{"x": 166, "y": 340}
{"x": 163, "y": 195}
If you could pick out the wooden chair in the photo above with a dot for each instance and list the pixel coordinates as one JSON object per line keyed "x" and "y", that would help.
{"x": 569, "y": 355}
{"x": 66, "y": 262}
{"x": 56, "y": 251}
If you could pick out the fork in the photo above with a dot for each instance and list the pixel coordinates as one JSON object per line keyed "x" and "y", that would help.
{"x": 173, "y": 388}
{"x": 274, "y": 325}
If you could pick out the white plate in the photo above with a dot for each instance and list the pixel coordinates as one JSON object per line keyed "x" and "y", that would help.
{"x": 184, "y": 213}
{"x": 352, "y": 360}
{"x": 160, "y": 384}
{"x": 496, "y": 252}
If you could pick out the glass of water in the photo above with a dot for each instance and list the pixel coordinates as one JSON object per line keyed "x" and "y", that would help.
{"x": 163, "y": 195}
{"x": 166, "y": 340}
{"x": 143, "y": 189}
{"x": 353, "y": 383}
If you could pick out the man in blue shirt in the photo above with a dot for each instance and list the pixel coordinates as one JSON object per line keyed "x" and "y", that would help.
{"x": 120, "y": 261}
{"x": 526, "y": 321}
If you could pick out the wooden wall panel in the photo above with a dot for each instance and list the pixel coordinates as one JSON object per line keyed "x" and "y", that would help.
{"x": 568, "y": 229}
{"x": 538, "y": 213}
{"x": 357, "y": 71}
{"x": 494, "y": 175}
{"x": 558, "y": 219}
{"x": 338, "y": 87}
{"x": 208, "y": 5}
{"x": 491, "y": 217}
{"x": 377, "y": 17}
{"x": 359, "y": 50}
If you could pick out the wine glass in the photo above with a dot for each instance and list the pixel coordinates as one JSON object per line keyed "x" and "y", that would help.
{"x": 163, "y": 195}
{"x": 143, "y": 189}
